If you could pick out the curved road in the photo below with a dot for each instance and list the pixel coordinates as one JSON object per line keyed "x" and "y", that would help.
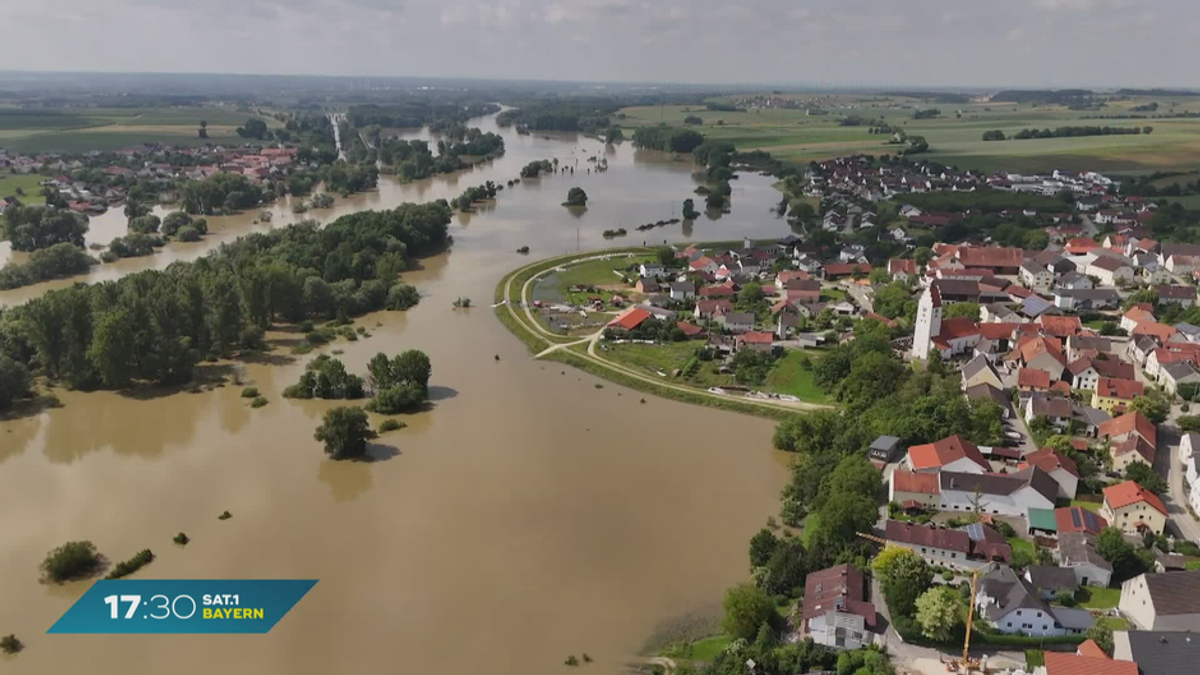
{"x": 530, "y": 322}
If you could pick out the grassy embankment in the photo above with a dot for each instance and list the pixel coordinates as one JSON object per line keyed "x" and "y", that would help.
{"x": 794, "y": 136}
{"x": 81, "y": 130}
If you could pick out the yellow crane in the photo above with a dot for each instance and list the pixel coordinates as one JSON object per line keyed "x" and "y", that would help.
{"x": 967, "y": 663}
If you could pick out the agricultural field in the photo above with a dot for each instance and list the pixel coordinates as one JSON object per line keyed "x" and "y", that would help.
{"x": 956, "y": 136}
{"x": 29, "y": 185}
{"x": 82, "y": 129}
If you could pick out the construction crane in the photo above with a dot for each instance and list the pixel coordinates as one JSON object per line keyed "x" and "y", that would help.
{"x": 967, "y": 663}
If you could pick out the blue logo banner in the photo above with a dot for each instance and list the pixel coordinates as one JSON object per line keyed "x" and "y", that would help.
{"x": 183, "y": 606}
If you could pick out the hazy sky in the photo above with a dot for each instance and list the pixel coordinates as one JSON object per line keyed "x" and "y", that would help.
{"x": 838, "y": 42}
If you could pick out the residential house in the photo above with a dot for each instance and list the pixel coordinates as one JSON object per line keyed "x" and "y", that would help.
{"x": 980, "y": 370}
{"x": 997, "y": 259}
{"x": 1083, "y": 374}
{"x": 997, "y": 494}
{"x": 1188, "y": 331}
{"x": 652, "y": 270}
{"x": 628, "y": 320}
{"x": 986, "y": 392}
{"x": 1180, "y": 258}
{"x": 1090, "y": 419}
{"x": 902, "y": 268}
{"x": 997, "y": 313}
{"x": 1079, "y": 346}
{"x": 1077, "y": 552}
{"x": 735, "y": 322}
{"x": 947, "y": 548}
{"x": 706, "y": 309}
{"x": 1075, "y": 281}
{"x": 683, "y": 290}
{"x": 1035, "y": 275}
{"x": 647, "y": 286}
{"x": 1174, "y": 374}
{"x": 1136, "y": 315}
{"x": 1111, "y": 271}
{"x": 835, "y": 612}
{"x": 1157, "y": 652}
{"x": 1181, "y": 295}
{"x": 1032, "y": 379}
{"x": 1056, "y": 409}
{"x": 1050, "y": 581}
{"x": 1111, "y": 394}
{"x": 952, "y": 453}
{"x": 1133, "y": 508}
{"x": 762, "y": 341}
{"x": 1086, "y": 299}
{"x": 957, "y": 290}
{"x": 1013, "y": 605}
{"x": 1169, "y": 601}
{"x": 1060, "y": 467}
{"x": 912, "y": 490}
{"x": 1040, "y": 353}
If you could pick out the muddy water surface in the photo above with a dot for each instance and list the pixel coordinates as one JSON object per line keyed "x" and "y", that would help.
{"x": 529, "y": 515}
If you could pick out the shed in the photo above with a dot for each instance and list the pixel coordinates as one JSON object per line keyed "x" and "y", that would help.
{"x": 1042, "y": 521}
{"x": 885, "y": 449}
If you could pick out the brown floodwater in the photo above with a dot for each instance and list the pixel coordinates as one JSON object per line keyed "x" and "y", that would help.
{"x": 528, "y": 516}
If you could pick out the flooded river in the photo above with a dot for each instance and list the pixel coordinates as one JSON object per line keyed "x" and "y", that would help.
{"x": 530, "y": 515}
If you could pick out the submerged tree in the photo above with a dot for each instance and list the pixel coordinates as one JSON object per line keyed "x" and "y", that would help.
{"x": 345, "y": 432}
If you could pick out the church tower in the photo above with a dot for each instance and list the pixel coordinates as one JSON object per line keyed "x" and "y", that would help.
{"x": 929, "y": 322}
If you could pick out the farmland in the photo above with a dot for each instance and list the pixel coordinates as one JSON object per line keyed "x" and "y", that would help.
{"x": 29, "y": 185}
{"x": 82, "y": 129}
{"x": 956, "y": 136}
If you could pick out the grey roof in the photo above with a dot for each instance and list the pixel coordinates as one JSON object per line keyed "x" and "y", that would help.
{"x": 999, "y": 310}
{"x": 1072, "y": 277}
{"x": 739, "y": 317}
{"x": 1051, "y": 406}
{"x": 1077, "y": 619}
{"x": 1101, "y": 344}
{"x": 1052, "y": 578}
{"x": 977, "y": 365}
{"x": 1159, "y": 652}
{"x": 1174, "y": 592}
{"x": 1092, "y": 416}
{"x": 1011, "y": 593}
{"x": 686, "y": 286}
{"x": 1001, "y": 484}
{"x": 1179, "y": 370}
{"x": 1187, "y": 328}
{"x": 986, "y": 391}
{"x": 1109, "y": 294}
{"x": 1077, "y": 548}
{"x": 1035, "y": 306}
{"x": 1033, "y": 267}
{"x": 885, "y": 443}
{"x": 958, "y": 287}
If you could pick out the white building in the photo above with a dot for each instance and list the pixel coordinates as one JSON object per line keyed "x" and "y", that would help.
{"x": 997, "y": 494}
{"x": 929, "y": 322}
{"x": 1168, "y": 601}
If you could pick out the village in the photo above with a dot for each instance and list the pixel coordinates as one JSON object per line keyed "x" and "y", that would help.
{"x": 1084, "y": 347}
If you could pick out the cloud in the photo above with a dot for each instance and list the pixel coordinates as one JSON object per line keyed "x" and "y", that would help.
{"x": 1072, "y": 5}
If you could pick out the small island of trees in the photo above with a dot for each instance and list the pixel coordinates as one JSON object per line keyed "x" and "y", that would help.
{"x": 72, "y": 560}
{"x": 576, "y": 197}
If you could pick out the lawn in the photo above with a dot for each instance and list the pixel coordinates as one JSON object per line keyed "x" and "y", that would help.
{"x": 28, "y": 183}
{"x": 596, "y": 272}
{"x": 1113, "y": 623}
{"x": 1101, "y": 598}
{"x": 664, "y": 358}
{"x": 1090, "y": 506}
{"x": 1019, "y": 544}
{"x": 790, "y": 377}
{"x": 832, "y": 294}
{"x": 707, "y": 649}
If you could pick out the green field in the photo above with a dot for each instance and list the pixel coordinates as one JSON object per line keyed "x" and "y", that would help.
{"x": 29, "y": 183}
{"x": 956, "y": 136}
{"x": 82, "y": 129}
{"x": 789, "y": 377}
{"x": 1019, "y": 544}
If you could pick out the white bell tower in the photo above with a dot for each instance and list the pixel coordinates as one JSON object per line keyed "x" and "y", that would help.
{"x": 929, "y": 322}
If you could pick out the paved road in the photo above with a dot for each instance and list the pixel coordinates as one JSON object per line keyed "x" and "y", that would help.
{"x": 861, "y": 296}
{"x": 1183, "y": 524}
{"x": 335, "y": 119}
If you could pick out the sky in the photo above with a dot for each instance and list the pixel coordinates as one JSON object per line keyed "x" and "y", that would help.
{"x": 848, "y": 43}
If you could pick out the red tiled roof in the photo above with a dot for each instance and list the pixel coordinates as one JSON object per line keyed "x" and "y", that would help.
{"x": 1154, "y": 329}
{"x": 1061, "y": 387}
{"x": 630, "y": 319}
{"x": 904, "y": 480}
{"x": 1032, "y": 348}
{"x": 1078, "y": 519}
{"x": 924, "y": 535}
{"x": 1123, "y": 494}
{"x": 847, "y": 268}
{"x": 1108, "y": 387}
{"x": 957, "y": 327}
{"x": 902, "y": 265}
{"x": 1078, "y": 245}
{"x": 997, "y": 331}
{"x": 1060, "y": 663}
{"x": 991, "y": 256}
{"x": 941, "y": 453}
{"x": 710, "y": 306}
{"x": 689, "y": 329}
{"x": 1133, "y": 422}
{"x": 757, "y": 337}
{"x": 839, "y": 588}
{"x": 718, "y": 291}
{"x": 1061, "y": 326}
{"x": 1018, "y": 291}
{"x": 1090, "y": 648}
{"x": 1032, "y": 377}
{"x": 1136, "y": 444}
{"x": 1049, "y": 459}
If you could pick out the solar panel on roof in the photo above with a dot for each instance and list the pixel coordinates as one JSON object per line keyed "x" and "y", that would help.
{"x": 974, "y": 531}
{"x": 1075, "y": 519}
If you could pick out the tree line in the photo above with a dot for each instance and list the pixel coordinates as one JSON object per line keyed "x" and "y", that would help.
{"x": 155, "y": 326}
{"x": 1066, "y": 132}
{"x": 667, "y": 139}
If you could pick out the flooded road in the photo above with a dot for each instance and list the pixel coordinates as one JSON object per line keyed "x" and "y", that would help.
{"x": 530, "y": 515}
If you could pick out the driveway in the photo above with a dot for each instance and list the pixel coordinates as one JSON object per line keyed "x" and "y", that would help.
{"x": 1183, "y": 524}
